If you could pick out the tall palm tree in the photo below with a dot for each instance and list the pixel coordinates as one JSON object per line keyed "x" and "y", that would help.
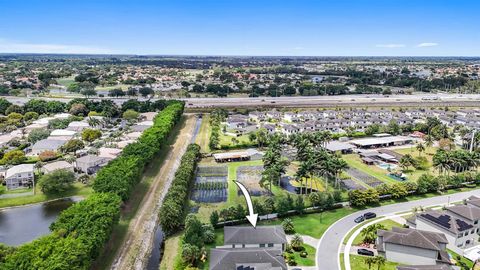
{"x": 420, "y": 148}
{"x": 369, "y": 261}
{"x": 380, "y": 261}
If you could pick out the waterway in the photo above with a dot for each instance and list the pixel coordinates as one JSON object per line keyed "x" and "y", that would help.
{"x": 23, "y": 224}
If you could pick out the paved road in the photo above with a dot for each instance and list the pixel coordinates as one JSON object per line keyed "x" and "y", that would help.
{"x": 328, "y": 248}
{"x": 417, "y": 99}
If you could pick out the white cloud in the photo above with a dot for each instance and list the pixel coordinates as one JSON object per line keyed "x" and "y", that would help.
{"x": 427, "y": 44}
{"x": 390, "y": 45}
{"x": 7, "y": 46}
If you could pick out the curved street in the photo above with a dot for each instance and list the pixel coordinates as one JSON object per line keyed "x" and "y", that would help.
{"x": 329, "y": 246}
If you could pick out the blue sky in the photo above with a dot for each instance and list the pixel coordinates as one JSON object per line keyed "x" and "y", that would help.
{"x": 243, "y": 27}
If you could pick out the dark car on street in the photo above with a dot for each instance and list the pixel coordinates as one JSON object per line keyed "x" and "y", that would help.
{"x": 369, "y": 215}
{"x": 365, "y": 252}
{"x": 359, "y": 219}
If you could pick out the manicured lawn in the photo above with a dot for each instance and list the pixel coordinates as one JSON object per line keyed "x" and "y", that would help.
{"x": 388, "y": 223}
{"x": 124, "y": 87}
{"x": 316, "y": 224}
{"x": 78, "y": 189}
{"x": 307, "y": 261}
{"x": 463, "y": 259}
{"x": 66, "y": 81}
{"x": 358, "y": 263}
{"x": 227, "y": 139}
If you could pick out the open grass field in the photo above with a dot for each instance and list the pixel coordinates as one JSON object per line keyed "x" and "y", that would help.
{"x": 354, "y": 161}
{"x": 124, "y": 87}
{"x": 66, "y": 81}
{"x": 227, "y": 139}
{"x": 78, "y": 189}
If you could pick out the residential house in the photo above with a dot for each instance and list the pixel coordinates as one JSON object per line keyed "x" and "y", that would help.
{"x": 411, "y": 246}
{"x": 57, "y": 165}
{"x": 90, "y": 163}
{"x": 19, "y": 176}
{"x": 46, "y": 145}
{"x": 250, "y": 248}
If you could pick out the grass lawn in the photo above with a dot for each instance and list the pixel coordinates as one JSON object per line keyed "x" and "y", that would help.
{"x": 66, "y": 81}
{"x": 358, "y": 263}
{"x": 78, "y": 189}
{"x": 172, "y": 244}
{"x": 227, "y": 139}
{"x": 314, "y": 225}
{"x": 388, "y": 223}
{"x": 463, "y": 259}
{"x": 307, "y": 261}
{"x": 124, "y": 87}
{"x": 354, "y": 161}
{"x": 203, "y": 135}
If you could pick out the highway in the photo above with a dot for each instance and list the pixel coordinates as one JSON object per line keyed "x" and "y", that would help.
{"x": 310, "y": 101}
{"x": 329, "y": 246}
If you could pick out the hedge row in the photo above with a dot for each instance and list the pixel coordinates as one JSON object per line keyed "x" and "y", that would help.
{"x": 172, "y": 212}
{"x": 80, "y": 232}
{"x": 123, "y": 173}
{"x": 76, "y": 239}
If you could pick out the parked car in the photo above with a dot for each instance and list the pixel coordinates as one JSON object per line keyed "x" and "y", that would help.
{"x": 365, "y": 252}
{"x": 369, "y": 215}
{"x": 359, "y": 219}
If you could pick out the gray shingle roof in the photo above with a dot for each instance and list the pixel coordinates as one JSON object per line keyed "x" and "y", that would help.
{"x": 228, "y": 259}
{"x": 414, "y": 238}
{"x": 249, "y": 235}
{"x": 425, "y": 267}
{"x": 471, "y": 213}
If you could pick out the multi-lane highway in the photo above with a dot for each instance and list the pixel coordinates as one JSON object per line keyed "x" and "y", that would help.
{"x": 329, "y": 246}
{"x": 314, "y": 101}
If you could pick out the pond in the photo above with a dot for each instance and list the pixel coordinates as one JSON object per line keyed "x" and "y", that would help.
{"x": 19, "y": 225}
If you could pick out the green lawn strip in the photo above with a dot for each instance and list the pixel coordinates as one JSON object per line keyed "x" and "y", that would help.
{"x": 203, "y": 135}
{"x": 316, "y": 224}
{"x": 388, "y": 223}
{"x": 342, "y": 263}
{"x": 355, "y": 162}
{"x": 124, "y": 87}
{"x": 427, "y": 195}
{"x": 462, "y": 259}
{"x": 358, "y": 263}
{"x": 307, "y": 261}
{"x": 78, "y": 189}
{"x": 233, "y": 197}
{"x": 350, "y": 233}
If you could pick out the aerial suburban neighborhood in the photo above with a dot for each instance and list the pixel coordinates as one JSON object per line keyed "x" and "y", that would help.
{"x": 248, "y": 135}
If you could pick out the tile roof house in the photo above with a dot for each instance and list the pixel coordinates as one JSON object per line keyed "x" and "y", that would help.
{"x": 46, "y": 145}
{"x": 57, "y": 165}
{"x": 250, "y": 248}
{"x": 19, "y": 176}
{"x": 411, "y": 246}
{"x": 90, "y": 163}
{"x": 460, "y": 232}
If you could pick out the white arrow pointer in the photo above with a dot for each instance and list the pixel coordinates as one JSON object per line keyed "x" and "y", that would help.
{"x": 251, "y": 217}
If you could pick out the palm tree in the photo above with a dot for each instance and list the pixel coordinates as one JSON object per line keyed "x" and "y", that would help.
{"x": 93, "y": 122}
{"x": 380, "y": 261}
{"x": 420, "y": 148}
{"x": 369, "y": 261}
{"x": 429, "y": 140}
{"x": 296, "y": 242}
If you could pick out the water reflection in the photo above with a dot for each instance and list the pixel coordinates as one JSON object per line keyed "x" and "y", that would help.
{"x": 24, "y": 224}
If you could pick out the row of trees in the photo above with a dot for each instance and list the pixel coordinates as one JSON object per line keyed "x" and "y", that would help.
{"x": 216, "y": 118}
{"x": 77, "y": 237}
{"x": 80, "y": 232}
{"x": 121, "y": 174}
{"x": 426, "y": 183}
{"x": 172, "y": 211}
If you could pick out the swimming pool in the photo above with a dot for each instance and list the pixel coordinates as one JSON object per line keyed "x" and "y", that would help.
{"x": 385, "y": 166}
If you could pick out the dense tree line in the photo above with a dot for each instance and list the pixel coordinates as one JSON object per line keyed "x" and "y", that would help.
{"x": 80, "y": 232}
{"x": 121, "y": 174}
{"x": 173, "y": 207}
{"x": 76, "y": 239}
